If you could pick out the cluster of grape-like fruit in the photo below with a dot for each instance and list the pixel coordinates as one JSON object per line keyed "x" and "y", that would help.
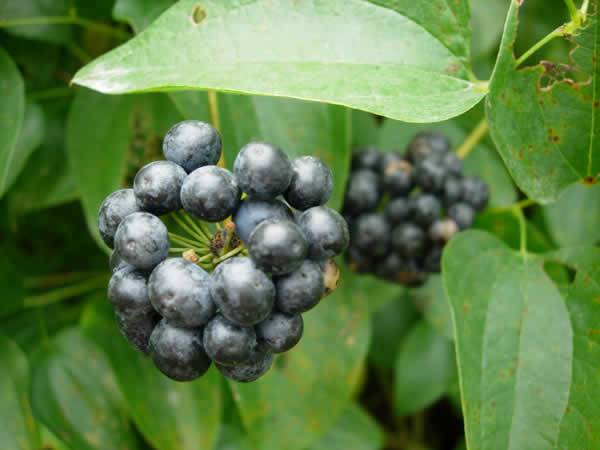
{"x": 235, "y": 294}
{"x": 403, "y": 209}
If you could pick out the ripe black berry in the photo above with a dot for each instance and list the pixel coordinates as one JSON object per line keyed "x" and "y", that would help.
{"x": 179, "y": 291}
{"x": 398, "y": 210}
{"x": 371, "y": 234}
{"x": 433, "y": 259}
{"x": 426, "y": 208}
{"x": 311, "y": 184}
{"x": 369, "y": 158}
{"x": 427, "y": 144}
{"x": 326, "y": 232}
{"x": 255, "y": 367}
{"x": 453, "y": 191}
{"x": 398, "y": 178}
{"x": 192, "y": 144}
{"x": 142, "y": 240}
{"x": 227, "y": 343}
{"x": 178, "y": 352}
{"x": 362, "y": 193}
{"x": 277, "y": 246}
{"x": 210, "y": 193}
{"x": 253, "y": 212}
{"x": 430, "y": 175}
{"x": 242, "y": 292}
{"x": 113, "y": 210}
{"x": 463, "y": 214}
{"x": 475, "y": 192}
{"x": 157, "y": 186}
{"x": 408, "y": 240}
{"x": 262, "y": 170}
{"x": 301, "y": 289}
{"x": 280, "y": 332}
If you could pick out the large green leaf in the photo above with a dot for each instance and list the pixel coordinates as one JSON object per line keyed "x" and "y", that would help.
{"x": 431, "y": 301}
{"x": 347, "y": 52}
{"x": 74, "y": 393}
{"x": 574, "y": 219}
{"x": 126, "y": 132}
{"x": 424, "y": 368}
{"x": 140, "y": 13}
{"x": 515, "y": 372}
{"x": 30, "y": 137}
{"x": 579, "y": 428}
{"x": 308, "y": 389}
{"x": 546, "y": 130}
{"x": 13, "y": 13}
{"x": 482, "y": 161}
{"x": 170, "y": 415}
{"x": 12, "y": 112}
{"x": 18, "y": 430}
{"x": 299, "y": 128}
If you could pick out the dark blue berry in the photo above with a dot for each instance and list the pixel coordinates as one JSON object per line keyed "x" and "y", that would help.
{"x": 311, "y": 184}
{"x": 475, "y": 192}
{"x": 180, "y": 291}
{"x": 430, "y": 175}
{"x": 453, "y": 191}
{"x": 368, "y": 158}
{"x": 227, "y": 343}
{"x": 363, "y": 192}
{"x": 116, "y": 263}
{"x": 178, "y": 352}
{"x": 326, "y": 232}
{"x": 408, "y": 240}
{"x": 301, "y": 289}
{"x": 397, "y": 178}
{"x": 157, "y": 187}
{"x": 398, "y": 210}
{"x": 255, "y": 367}
{"x": 142, "y": 240}
{"x": 390, "y": 157}
{"x": 253, "y": 212}
{"x": 192, "y": 144}
{"x": 452, "y": 164}
{"x": 243, "y": 293}
{"x": 280, "y": 332}
{"x": 426, "y": 208}
{"x": 463, "y": 214}
{"x": 113, "y": 210}
{"x": 262, "y": 170}
{"x": 427, "y": 144}
{"x": 371, "y": 234}
{"x": 210, "y": 193}
{"x": 277, "y": 246}
{"x": 433, "y": 259}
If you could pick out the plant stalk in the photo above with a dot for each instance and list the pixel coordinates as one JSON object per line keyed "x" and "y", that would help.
{"x": 473, "y": 139}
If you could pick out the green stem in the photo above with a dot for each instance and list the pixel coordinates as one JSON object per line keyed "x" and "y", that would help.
{"x": 518, "y": 212}
{"x": 67, "y": 292}
{"x": 79, "y": 53}
{"x": 179, "y": 249}
{"x": 65, "y": 20}
{"x": 228, "y": 255}
{"x": 518, "y": 205}
{"x": 213, "y": 107}
{"x": 473, "y": 139}
{"x": 56, "y": 279}
{"x": 198, "y": 226}
{"x": 50, "y": 94}
{"x": 193, "y": 232}
{"x": 559, "y": 32}
{"x": 572, "y": 9}
{"x": 184, "y": 241}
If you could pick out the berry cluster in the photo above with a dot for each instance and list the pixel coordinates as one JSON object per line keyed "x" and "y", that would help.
{"x": 402, "y": 210}
{"x": 236, "y": 294}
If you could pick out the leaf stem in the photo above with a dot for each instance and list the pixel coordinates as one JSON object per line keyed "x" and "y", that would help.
{"x": 198, "y": 226}
{"x": 228, "y": 255}
{"x": 473, "y": 139}
{"x": 185, "y": 241}
{"x": 518, "y": 212}
{"x": 50, "y": 94}
{"x": 522, "y": 204}
{"x": 572, "y": 8}
{"x": 67, "y": 292}
{"x": 193, "y": 232}
{"x": 558, "y": 32}
{"x": 213, "y": 106}
{"x": 65, "y": 20}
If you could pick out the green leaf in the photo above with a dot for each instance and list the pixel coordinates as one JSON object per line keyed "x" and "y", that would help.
{"x": 374, "y": 59}
{"x": 18, "y": 430}
{"x": 30, "y": 137}
{"x": 299, "y": 128}
{"x": 12, "y": 112}
{"x": 390, "y": 323}
{"x": 170, "y": 415}
{"x": 140, "y": 13}
{"x": 482, "y": 161}
{"x": 579, "y": 427}
{"x": 13, "y": 13}
{"x": 127, "y": 132}
{"x": 307, "y": 389}
{"x": 547, "y": 130}
{"x": 74, "y": 393}
{"x": 431, "y": 301}
{"x": 574, "y": 219}
{"x": 424, "y": 369}
{"x": 515, "y": 372}
{"x": 365, "y": 130}
{"x": 354, "y": 430}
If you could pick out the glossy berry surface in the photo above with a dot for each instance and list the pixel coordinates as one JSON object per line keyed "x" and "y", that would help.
{"x": 253, "y": 212}
{"x": 180, "y": 291}
{"x": 192, "y": 144}
{"x": 326, "y": 232}
{"x": 262, "y": 170}
{"x": 142, "y": 240}
{"x": 113, "y": 210}
{"x": 371, "y": 234}
{"x": 178, "y": 352}
{"x": 398, "y": 210}
{"x": 277, "y": 246}
{"x": 243, "y": 293}
{"x": 430, "y": 175}
{"x": 426, "y": 208}
{"x": 210, "y": 193}
{"x": 227, "y": 343}
{"x": 280, "y": 332}
{"x": 157, "y": 187}
{"x": 311, "y": 183}
{"x": 408, "y": 240}
{"x": 398, "y": 178}
{"x": 300, "y": 290}
{"x": 363, "y": 192}
{"x": 368, "y": 158}
{"x": 255, "y": 367}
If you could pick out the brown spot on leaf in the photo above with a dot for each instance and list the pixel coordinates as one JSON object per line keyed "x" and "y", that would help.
{"x": 198, "y": 14}
{"x": 590, "y": 181}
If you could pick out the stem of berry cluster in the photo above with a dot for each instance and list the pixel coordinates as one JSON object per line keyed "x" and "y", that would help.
{"x": 473, "y": 139}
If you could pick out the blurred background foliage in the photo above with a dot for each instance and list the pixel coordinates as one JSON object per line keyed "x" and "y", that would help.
{"x": 376, "y": 368}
